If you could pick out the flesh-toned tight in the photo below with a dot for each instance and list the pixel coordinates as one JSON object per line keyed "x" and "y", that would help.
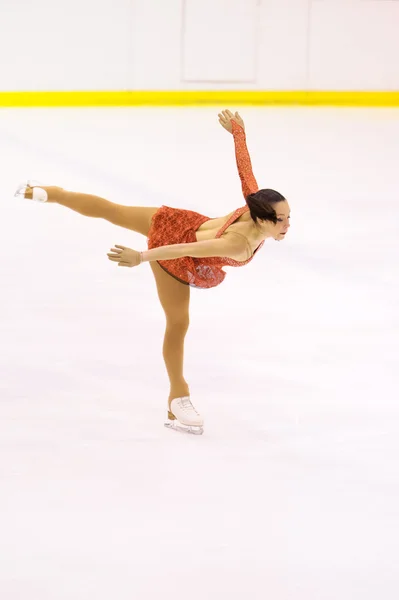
{"x": 173, "y": 295}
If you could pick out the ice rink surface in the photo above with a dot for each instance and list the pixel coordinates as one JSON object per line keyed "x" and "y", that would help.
{"x": 292, "y": 493}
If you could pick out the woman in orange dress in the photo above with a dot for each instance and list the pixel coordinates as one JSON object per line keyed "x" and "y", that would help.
{"x": 185, "y": 249}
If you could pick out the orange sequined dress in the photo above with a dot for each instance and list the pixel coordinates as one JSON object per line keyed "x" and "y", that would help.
{"x": 178, "y": 226}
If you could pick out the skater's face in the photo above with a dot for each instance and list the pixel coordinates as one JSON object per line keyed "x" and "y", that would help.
{"x": 283, "y": 220}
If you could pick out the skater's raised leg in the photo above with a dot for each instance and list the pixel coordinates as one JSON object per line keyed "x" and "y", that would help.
{"x": 136, "y": 218}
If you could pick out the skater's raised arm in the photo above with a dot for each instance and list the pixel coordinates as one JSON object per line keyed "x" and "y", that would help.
{"x": 232, "y": 245}
{"x": 235, "y": 125}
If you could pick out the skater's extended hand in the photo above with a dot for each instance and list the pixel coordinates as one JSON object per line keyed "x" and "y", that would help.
{"x": 125, "y": 257}
{"x": 225, "y": 118}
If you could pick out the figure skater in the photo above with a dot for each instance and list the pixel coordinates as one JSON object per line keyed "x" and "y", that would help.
{"x": 185, "y": 249}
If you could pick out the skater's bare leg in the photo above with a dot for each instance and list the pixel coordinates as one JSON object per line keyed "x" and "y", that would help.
{"x": 175, "y": 299}
{"x": 136, "y": 218}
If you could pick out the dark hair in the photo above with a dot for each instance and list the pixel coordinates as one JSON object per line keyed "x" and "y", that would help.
{"x": 261, "y": 205}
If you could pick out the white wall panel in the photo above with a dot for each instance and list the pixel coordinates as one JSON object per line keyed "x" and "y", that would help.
{"x": 283, "y": 45}
{"x": 220, "y": 40}
{"x": 354, "y": 45}
{"x": 281, "y": 61}
{"x": 69, "y": 45}
{"x": 156, "y": 44}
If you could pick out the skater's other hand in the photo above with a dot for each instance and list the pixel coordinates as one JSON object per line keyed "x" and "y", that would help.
{"x": 225, "y": 118}
{"x": 125, "y": 257}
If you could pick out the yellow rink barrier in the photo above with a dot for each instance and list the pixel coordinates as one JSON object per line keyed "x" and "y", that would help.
{"x": 198, "y": 98}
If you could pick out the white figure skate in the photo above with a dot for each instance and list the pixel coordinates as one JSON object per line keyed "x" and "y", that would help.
{"x": 182, "y": 416}
{"x": 39, "y": 194}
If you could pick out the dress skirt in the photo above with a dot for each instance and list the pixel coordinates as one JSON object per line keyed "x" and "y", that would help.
{"x": 178, "y": 226}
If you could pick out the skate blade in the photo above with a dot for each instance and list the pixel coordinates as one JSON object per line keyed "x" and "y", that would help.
{"x": 21, "y": 190}
{"x": 184, "y": 428}
{"x": 24, "y": 187}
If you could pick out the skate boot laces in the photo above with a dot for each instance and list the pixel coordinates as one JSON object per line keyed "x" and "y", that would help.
{"x": 187, "y": 406}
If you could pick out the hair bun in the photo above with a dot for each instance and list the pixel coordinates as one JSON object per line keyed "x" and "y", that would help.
{"x": 261, "y": 205}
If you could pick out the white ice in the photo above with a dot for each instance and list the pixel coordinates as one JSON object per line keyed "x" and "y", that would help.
{"x": 292, "y": 493}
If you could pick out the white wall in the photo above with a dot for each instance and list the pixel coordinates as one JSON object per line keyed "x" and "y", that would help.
{"x": 354, "y": 44}
{"x": 199, "y": 44}
{"x": 63, "y": 45}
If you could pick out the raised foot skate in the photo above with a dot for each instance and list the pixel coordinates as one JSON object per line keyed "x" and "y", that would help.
{"x": 183, "y": 417}
{"x": 32, "y": 191}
